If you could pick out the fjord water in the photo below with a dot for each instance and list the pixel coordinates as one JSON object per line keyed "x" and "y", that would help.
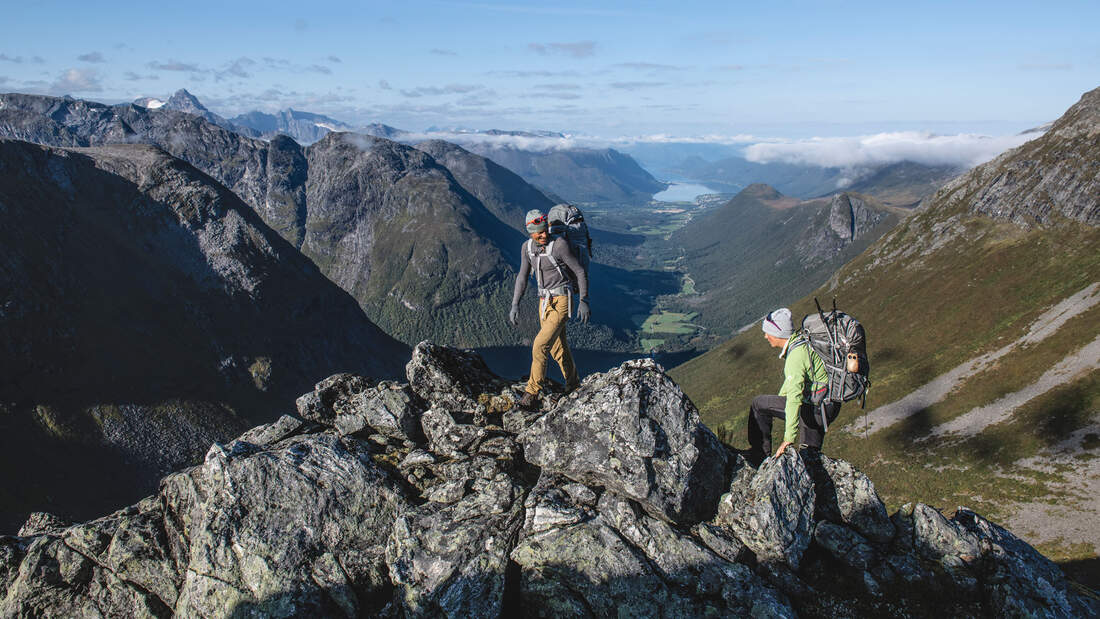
{"x": 685, "y": 191}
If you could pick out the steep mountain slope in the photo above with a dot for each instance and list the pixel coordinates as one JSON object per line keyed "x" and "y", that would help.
{"x": 983, "y": 321}
{"x": 183, "y": 101}
{"x": 464, "y": 256}
{"x": 147, "y": 311}
{"x": 394, "y": 228}
{"x": 762, "y": 246}
{"x": 502, "y": 191}
{"x": 576, "y": 174}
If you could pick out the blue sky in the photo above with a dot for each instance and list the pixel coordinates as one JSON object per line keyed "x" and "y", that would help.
{"x": 788, "y": 69}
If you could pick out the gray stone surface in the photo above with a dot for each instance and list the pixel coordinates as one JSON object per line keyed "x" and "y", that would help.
{"x": 846, "y": 496}
{"x": 775, "y": 515}
{"x": 296, "y": 519}
{"x": 634, "y": 432}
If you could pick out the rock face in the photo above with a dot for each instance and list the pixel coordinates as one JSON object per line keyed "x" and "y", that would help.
{"x": 303, "y": 518}
{"x": 641, "y": 438}
{"x": 147, "y": 312}
{"x": 1056, "y": 175}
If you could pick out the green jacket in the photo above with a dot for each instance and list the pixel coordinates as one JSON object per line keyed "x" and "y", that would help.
{"x": 802, "y": 368}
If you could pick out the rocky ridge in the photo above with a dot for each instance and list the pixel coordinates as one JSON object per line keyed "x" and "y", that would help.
{"x": 1056, "y": 175}
{"x": 424, "y": 499}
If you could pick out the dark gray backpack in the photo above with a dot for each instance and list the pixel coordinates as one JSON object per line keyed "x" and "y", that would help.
{"x": 567, "y": 222}
{"x": 834, "y": 336}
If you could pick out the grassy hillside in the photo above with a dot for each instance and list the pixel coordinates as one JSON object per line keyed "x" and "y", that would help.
{"x": 1002, "y": 291}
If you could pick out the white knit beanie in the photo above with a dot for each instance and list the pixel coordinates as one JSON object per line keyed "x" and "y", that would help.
{"x": 778, "y": 324}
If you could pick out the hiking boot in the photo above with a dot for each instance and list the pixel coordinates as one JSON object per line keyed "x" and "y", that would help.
{"x": 529, "y": 401}
{"x": 571, "y": 388}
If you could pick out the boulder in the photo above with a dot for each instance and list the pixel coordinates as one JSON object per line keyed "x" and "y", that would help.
{"x": 451, "y": 378}
{"x": 450, "y": 560}
{"x": 352, "y": 404}
{"x": 846, "y": 496}
{"x": 635, "y": 433}
{"x": 775, "y": 515}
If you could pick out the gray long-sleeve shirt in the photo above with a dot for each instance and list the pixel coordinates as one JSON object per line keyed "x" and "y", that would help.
{"x": 550, "y": 277}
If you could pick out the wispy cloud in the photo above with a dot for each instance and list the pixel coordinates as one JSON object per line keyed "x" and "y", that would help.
{"x": 21, "y": 59}
{"x": 174, "y": 65}
{"x": 237, "y": 68}
{"x": 91, "y": 57}
{"x": 334, "y": 59}
{"x": 442, "y": 52}
{"x": 77, "y": 80}
{"x": 130, "y": 76}
{"x": 300, "y": 25}
{"x": 319, "y": 68}
{"x": 635, "y": 85}
{"x": 564, "y": 96}
{"x": 647, "y": 66}
{"x": 434, "y": 91}
{"x": 557, "y": 87}
{"x": 526, "y": 74}
{"x": 964, "y": 150}
{"x": 580, "y": 49}
{"x": 384, "y": 85}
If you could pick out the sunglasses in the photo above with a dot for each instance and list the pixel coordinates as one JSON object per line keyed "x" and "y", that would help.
{"x": 537, "y": 220}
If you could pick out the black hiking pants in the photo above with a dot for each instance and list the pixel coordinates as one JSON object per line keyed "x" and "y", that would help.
{"x": 765, "y": 408}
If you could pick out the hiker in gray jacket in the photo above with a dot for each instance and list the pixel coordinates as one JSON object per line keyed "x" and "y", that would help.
{"x": 556, "y": 270}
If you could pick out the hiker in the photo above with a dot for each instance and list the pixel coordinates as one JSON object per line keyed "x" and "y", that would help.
{"x": 556, "y": 270}
{"x": 804, "y": 373}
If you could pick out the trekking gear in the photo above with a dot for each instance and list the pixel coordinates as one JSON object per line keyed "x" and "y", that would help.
{"x": 836, "y": 337}
{"x": 567, "y": 222}
{"x": 566, "y": 274}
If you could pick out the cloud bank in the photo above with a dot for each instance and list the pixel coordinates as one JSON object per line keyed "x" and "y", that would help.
{"x": 962, "y": 150}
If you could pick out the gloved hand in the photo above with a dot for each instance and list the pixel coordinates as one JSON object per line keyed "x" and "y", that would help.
{"x": 513, "y": 315}
{"x": 583, "y": 312}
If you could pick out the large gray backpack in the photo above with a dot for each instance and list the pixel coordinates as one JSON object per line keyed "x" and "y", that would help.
{"x": 567, "y": 222}
{"x": 833, "y": 336}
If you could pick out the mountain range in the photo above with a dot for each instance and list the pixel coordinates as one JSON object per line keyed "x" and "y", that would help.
{"x": 982, "y": 312}
{"x": 146, "y": 312}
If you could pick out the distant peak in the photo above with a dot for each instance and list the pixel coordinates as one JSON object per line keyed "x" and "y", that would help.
{"x": 762, "y": 191}
{"x": 184, "y": 101}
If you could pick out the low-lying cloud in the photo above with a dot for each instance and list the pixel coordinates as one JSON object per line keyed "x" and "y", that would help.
{"x": 580, "y": 49}
{"x": 962, "y": 150}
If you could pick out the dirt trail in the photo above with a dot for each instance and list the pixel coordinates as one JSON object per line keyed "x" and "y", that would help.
{"x": 1085, "y": 360}
{"x": 935, "y": 391}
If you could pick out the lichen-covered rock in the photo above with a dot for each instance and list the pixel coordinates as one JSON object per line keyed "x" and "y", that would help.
{"x": 275, "y": 531}
{"x": 449, "y": 377}
{"x": 634, "y": 432}
{"x": 450, "y": 560}
{"x": 353, "y": 404}
{"x": 446, "y": 436}
{"x": 847, "y": 496}
{"x": 775, "y": 517}
{"x": 41, "y": 522}
{"x": 845, "y": 545}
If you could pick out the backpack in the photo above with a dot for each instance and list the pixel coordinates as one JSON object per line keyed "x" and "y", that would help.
{"x": 834, "y": 336}
{"x": 567, "y": 222}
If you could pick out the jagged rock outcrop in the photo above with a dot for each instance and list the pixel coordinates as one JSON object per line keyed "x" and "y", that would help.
{"x": 301, "y": 518}
{"x": 642, "y": 438}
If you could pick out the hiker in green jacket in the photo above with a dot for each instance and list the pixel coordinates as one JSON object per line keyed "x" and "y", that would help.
{"x": 559, "y": 275}
{"x": 804, "y": 373}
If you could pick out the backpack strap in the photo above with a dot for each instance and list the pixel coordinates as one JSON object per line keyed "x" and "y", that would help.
{"x": 536, "y": 258}
{"x": 818, "y": 390}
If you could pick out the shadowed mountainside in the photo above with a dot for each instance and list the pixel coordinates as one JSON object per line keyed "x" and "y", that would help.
{"x": 147, "y": 311}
